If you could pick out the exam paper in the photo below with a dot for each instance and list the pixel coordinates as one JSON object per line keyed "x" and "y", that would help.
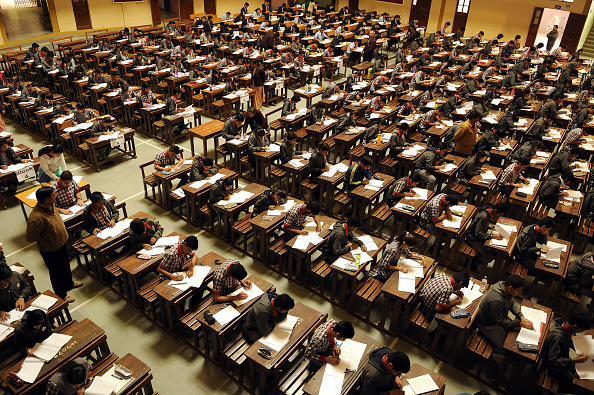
{"x": 281, "y": 333}
{"x": 30, "y": 369}
{"x": 585, "y": 345}
{"x": 167, "y": 241}
{"x": 364, "y": 256}
{"x": 538, "y": 317}
{"x": 44, "y": 302}
{"x": 369, "y": 243}
{"x": 454, "y": 223}
{"x": 226, "y": 315}
{"x": 101, "y": 386}
{"x": 406, "y": 284}
{"x": 152, "y": 252}
{"x": 422, "y": 384}
{"x": 252, "y": 293}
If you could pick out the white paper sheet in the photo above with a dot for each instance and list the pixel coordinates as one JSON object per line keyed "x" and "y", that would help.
{"x": 584, "y": 345}
{"x": 252, "y": 293}
{"x": 364, "y": 256}
{"x": 422, "y": 384}
{"x": 280, "y": 334}
{"x": 152, "y": 252}
{"x": 101, "y": 386}
{"x": 471, "y": 293}
{"x": 406, "y": 284}
{"x": 538, "y": 317}
{"x": 44, "y": 302}
{"x": 226, "y": 315}
{"x": 167, "y": 241}
{"x": 454, "y": 223}
{"x": 30, "y": 369}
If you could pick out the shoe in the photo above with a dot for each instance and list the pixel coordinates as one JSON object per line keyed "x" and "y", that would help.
{"x": 69, "y": 299}
{"x": 76, "y": 284}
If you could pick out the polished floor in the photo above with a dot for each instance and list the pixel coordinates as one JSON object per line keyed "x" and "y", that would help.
{"x": 172, "y": 361}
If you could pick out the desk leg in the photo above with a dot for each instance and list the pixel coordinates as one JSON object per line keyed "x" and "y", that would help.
{"x": 24, "y": 211}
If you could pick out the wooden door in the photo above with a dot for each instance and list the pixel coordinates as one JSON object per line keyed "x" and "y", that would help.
{"x": 353, "y": 5}
{"x": 573, "y": 31}
{"x": 534, "y": 25}
{"x": 81, "y": 14}
{"x": 461, "y": 15}
{"x": 186, "y": 8}
{"x": 210, "y": 7}
{"x": 420, "y": 10}
{"x": 155, "y": 12}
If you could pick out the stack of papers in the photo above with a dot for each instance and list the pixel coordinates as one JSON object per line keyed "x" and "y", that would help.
{"x": 152, "y": 252}
{"x": 296, "y": 163}
{"x": 198, "y": 275}
{"x": 237, "y": 197}
{"x": 30, "y": 369}
{"x": 368, "y": 242}
{"x": 406, "y": 281}
{"x": 351, "y": 353}
{"x": 74, "y": 211}
{"x": 48, "y": 348}
{"x": 226, "y": 315}
{"x": 538, "y": 318}
{"x": 554, "y": 252}
{"x": 284, "y": 208}
{"x": 528, "y": 189}
{"x": 43, "y": 302}
{"x": 585, "y": 345}
{"x": 281, "y": 333}
{"x": 505, "y": 231}
{"x": 167, "y": 241}
{"x": 449, "y": 167}
{"x": 413, "y": 151}
{"x": 252, "y": 293}
{"x": 454, "y": 223}
{"x": 109, "y": 381}
{"x": 471, "y": 293}
{"x": 303, "y": 241}
{"x": 119, "y": 227}
{"x": 488, "y": 175}
{"x": 420, "y": 194}
{"x": 420, "y": 385}
{"x": 337, "y": 168}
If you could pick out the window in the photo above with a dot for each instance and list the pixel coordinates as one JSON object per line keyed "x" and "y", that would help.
{"x": 463, "y": 6}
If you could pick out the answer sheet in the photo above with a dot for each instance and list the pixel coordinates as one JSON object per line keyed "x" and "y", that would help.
{"x": 280, "y": 334}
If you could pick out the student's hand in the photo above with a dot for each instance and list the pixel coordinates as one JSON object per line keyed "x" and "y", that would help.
{"x": 526, "y": 323}
{"x": 459, "y": 294}
{"x": 439, "y": 167}
{"x": 247, "y": 284}
{"x": 544, "y": 249}
{"x": 272, "y": 207}
{"x": 80, "y": 202}
{"x": 497, "y": 236}
{"x": 580, "y": 358}
{"x": 64, "y": 211}
{"x": 177, "y": 277}
{"x": 4, "y": 167}
{"x": 318, "y": 228}
{"x": 153, "y": 240}
{"x": 20, "y": 304}
{"x": 333, "y": 360}
{"x": 29, "y": 352}
{"x": 112, "y": 223}
{"x": 409, "y": 194}
{"x": 147, "y": 246}
{"x": 227, "y": 197}
{"x": 81, "y": 390}
{"x": 336, "y": 350}
{"x": 240, "y": 296}
{"x": 365, "y": 181}
{"x": 457, "y": 301}
{"x": 95, "y": 231}
{"x": 303, "y": 232}
{"x": 402, "y": 269}
{"x": 190, "y": 272}
{"x": 363, "y": 248}
{"x": 4, "y": 315}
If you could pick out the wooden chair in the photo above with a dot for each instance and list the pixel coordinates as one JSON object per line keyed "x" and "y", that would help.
{"x": 382, "y": 214}
{"x": 241, "y": 229}
{"x": 388, "y": 165}
{"x": 294, "y": 377}
{"x": 342, "y": 200}
{"x": 546, "y": 383}
{"x": 233, "y": 362}
{"x": 568, "y": 303}
{"x": 320, "y": 271}
{"x": 277, "y": 253}
{"x": 582, "y": 235}
{"x": 462, "y": 250}
{"x": 367, "y": 291}
{"x": 205, "y": 211}
{"x": 224, "y": 151}
{"x": 148, "y": 298}
{"x": 308, "y": 187}
{"x": 281, "y": 174}
{"x": 419, "y": 323}
{"x": 149, "y": 181}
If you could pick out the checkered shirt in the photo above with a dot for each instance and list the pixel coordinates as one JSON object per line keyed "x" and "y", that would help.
{"x": 582, "y": 100}
{"x": 319, "y": 344}
{"x": 392, "y": 254}
{"x": 222, "y": 281}
{"x": 433, "y": 208}
{"x": 510, "y": 175}
{"x": 400, "y": 185}
{"x": 52, "y": 388}
{"x": 294, "y": 219}
{"x": 65, "y": 197}
{"x": 161, "y": 159}
{"x": 174, "y": 259}
{"x": 574, "y": 134}
{"x": 146, "y": 98}
{"x": 101, "y": 216}
{"x": 437, "y": 291}
{"x": 428, "y": 117}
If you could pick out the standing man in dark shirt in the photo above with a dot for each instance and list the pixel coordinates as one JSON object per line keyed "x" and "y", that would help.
{"x": 258, "y": 79}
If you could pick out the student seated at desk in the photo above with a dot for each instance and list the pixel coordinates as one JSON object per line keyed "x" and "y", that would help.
{"x": 257, "y": 142}
{"x": 232, "y": 127}
{"x": 169, "y": 159}
{"x": 492, "y": 318}
{"x": 471, "y": 168}
{"x": 296, "y": 216}
{"x": 384, "y": 372}
{"x": 477, "y": 234}
{"x": 269, "y": 310}
{"x": 99, "y": 215}
{"x": 436, "y": 210}
{"x": 144, "y": 233}
{"x": 290, "y": 105}
{"x": 316, "y": 114}
{"x": 526, "y": 252}
{"x": 71, "y": 380}
{"x": 67, "y": 192}
{"x": 97, "y": 78}
{"x": 103, "y": 125}
{"x": 228, "y": 277}
{"x": 146, "y": 97}
{"x": 389, "y": 263}
{"x": 358, "y": 174}
{"x": 202, "y": 168}
{"x": 398, "y": 141}
{"x": 512, "y": 177}
{"x": 554, "y": 188}
{"x": 115, "y": 83}
{"x": 437, "y": 293}
{"x": 430, "y": 161}
{"x": 402, "y": 188}
{"x": 9, "y": 157}
{"x": 83, "y": 115}
{"x": 287, "y": 149}
{"x": 166, "y": 44}
{"x": 555, "y": 350}
{"x": 175, "y": 258}
{"x": 323, "y": 347}
{"x": 580, "y": 275}
{"x": 527, "y": 150}
{"x": 15, "y": 291}
{"x": 220, "y": 190}
{"x": 341, "y": 239}
{"x": 270, "y": 200}
{"x": 139, "y": 60}
{"x": 318, "y": 163}
{"x": 43, "y": 101}
{"x": 34, "y": 328}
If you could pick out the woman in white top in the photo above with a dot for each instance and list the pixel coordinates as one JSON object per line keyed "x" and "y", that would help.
{"x": 52, "y": 163}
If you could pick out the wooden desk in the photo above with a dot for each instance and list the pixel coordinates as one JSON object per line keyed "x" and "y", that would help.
{"x": 442, "y": 176}
{"x": 406, "y": 218}
{"x": 205, "y": 132}
{"x": 87, "y": 338}
{"x": 553, "y": 278}
{"x": 171, "y": 121}
{"x": 312, "y": 386}
{"x": 165, "y": 182}
{"x": 195, "y": 197}
{"x": 31, "y": 203}
{"x": 263, "y": 160}
{"x": 296, "y": 176}
{"x": 227, "y": 216}
{"x": 345, "y": 295}
{"x": 343, "y": 142}
{"x": 524, "y": 359}
{"x": 377, "y": 152}
{"x": 141, "y": 374}
{"x": 364, "y": 198}
{"x": 446, "y": 234}
{"x": 265, "y": 372}
{"x": 418, "y": 370}
{"x": 399, "y": 301}
{"x": 502, "y": 254}
{"x": 479, "y": 188}
{"x": 328, "y": 186}
{"x": 95, "y": 145}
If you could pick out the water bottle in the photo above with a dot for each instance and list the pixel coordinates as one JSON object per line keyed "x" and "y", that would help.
{"x": 379, "y": 139}
{"x": 465, "y": 203}
{"x": 306, "y": 88}
{"x": 175, "y": 73}
{"x": 358, "y": 259}
{"x": 484, "y": 284}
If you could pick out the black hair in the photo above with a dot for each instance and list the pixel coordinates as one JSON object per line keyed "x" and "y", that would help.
{"x": 408, "y": 238}
{"x": 137, "y": 226}
{"x": 96, "y": 197}
{"x": 474, "y": 114}
{"x": 192, "y": 242}
{"x": 416, "y": 177}
{"x": 480, "y": 154}
{"x": 366, "y": 160}
{"x": 34, "y": 317}
{"x": 524, "y": 161}
{"x": 237, "y": 271}
{"x": 239, "y": 118}
{"x": 5, "y": 272}
{"x": 284, "y": 302}
{"x": 43, "y": 193}
{"x": 400, "y": 361}
{"x": 344, "y": 329}
{"x": 281, "y": 193}
{"x": 227, "y": 181}
{"x": 175, "y": 149}
{"x": 514, "y": 281}
{"x": 501, "y": 207}
{"x": 441, "y": 146}
{"x": 452, "y": 199}
{"x": 75, "y": 373}
{"x": 548, "y": 222}
{"x": 461, "y": 277}
{"x": 354, "y": 222}
{"x": 580, "y": 320}
{"x": 314, "y": 207}
{"x": 57, "y": 149}
{"x": 291, "y": 136}
{"x": 324, "y": 147}
{"x": 66, "y": 175}
{"x": 207, "y": 161}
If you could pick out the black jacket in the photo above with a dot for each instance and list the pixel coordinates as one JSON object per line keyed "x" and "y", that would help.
{"x": 555, "y": 349}
{"x": 317, "y": 163}
{"x": 549, "y": 192}
{"x": 336, "y": 244}
{"x": 375, "y": 379}
{"x": 580, "y": 274}
{"x": 197, "y": 170}
{"x": 153, "y": 229}
{"x": 478, "y": 230}
{"x": 27, "y": 338}
{"x": 89, "y": 222}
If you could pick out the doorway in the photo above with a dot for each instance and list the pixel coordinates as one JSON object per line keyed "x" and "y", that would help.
{"x": 420, "y": 10}
{"x": 25, "y": 19}
{"x": 551, "y": 17}
{"x": 81, "y": 14}
{"x": 169, "y": 9}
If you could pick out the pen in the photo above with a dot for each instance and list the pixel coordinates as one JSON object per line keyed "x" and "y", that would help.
{"x": 119, "y": 378}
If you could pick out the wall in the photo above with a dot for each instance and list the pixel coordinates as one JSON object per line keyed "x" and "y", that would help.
{"x": 199, "y": 7}
{"x": 105, "y": 14}
{"x": 65, "y": 16}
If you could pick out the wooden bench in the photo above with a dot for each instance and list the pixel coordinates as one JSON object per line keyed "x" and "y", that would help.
{"x": 538, "y": 212}
{"x": 545, "y": 382}
{"x": 568, "y": 303}
{"x": 224, "y": 151}
{"x": 357, "y": 152}
{"x": 149, "y": 180}
{"x": 388, "y": 165}
{"x": 277, "y": 253}
{"x": 320, "y": 270}
{"x": 219, "y": 107}
{"x": 479, "y": 347}
{"x": 205, "y": 211}
{"x": 294, "y": 377}
{"x": 234, "y": 358}
{"x": 457, "y": 188}
{"x": 367, "y": 291}
{"x": 423, "y": 235}
{"x": 461, "y": 248}
{"x": 583, "y": 234}
{"x": 342, "y": 200}
{"x": 308, "y": 186}
{"x": 275, "y": 125}
{"x": 242, "y": 228}
{"x": 518, "y": 269}
{"x": 381, "y": 214}
{"x": 148, "y": 296}
{"x": 281, "y": 174}
{"x": 191, "y": 324}
{"x": 419, "y": 321}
